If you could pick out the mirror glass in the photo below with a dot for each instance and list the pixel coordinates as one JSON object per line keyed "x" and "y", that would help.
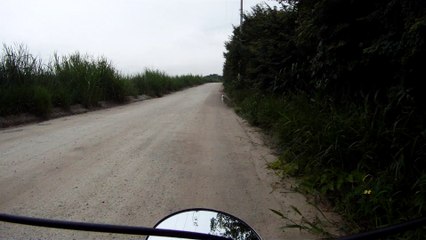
{"x": 208, "y": 222}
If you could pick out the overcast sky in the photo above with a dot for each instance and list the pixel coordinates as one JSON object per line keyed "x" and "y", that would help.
{"x": 175, "y": 36}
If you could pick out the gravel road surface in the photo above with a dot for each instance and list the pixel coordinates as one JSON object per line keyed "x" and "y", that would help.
{"x": 136, "y": 163}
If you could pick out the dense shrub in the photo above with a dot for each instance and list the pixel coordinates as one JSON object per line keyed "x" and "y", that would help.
{"x": 339, "y": 84}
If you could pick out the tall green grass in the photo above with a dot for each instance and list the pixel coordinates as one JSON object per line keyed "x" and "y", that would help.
{"x": 367, "y": 159}
{"x": 22, "y": 82}
{"x": 28, "y": 85}
{"x": 87, "y": 81}
{"x": 156, "y": 83}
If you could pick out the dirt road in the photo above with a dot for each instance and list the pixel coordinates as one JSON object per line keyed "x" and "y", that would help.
{"x": 137, "y": 163}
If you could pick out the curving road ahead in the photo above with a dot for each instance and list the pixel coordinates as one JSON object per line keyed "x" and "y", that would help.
{"x": 137, "y": 163}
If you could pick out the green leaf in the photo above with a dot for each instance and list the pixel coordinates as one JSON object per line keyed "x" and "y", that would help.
{"x": 278, "y": 213}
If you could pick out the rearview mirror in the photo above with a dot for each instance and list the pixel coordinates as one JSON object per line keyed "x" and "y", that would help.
{"x": 208, "y": 222}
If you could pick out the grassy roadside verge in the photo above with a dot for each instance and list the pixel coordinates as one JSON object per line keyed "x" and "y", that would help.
{"x": 365, "y": 159}
{"x": 27, "y": 85}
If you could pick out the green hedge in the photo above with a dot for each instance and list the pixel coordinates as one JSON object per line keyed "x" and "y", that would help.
{"x": 339, "y": 85}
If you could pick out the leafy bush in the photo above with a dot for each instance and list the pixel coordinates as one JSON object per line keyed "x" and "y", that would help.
{"x": 368, "y": 164}
{"x": 339, "y": 85}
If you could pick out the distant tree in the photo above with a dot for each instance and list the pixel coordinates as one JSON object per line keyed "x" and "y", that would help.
{"x": 213, "y": 78}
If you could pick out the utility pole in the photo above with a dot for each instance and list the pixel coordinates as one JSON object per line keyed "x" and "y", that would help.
{"x": 239, "y": 77}
{"x": 241, "y": 15}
